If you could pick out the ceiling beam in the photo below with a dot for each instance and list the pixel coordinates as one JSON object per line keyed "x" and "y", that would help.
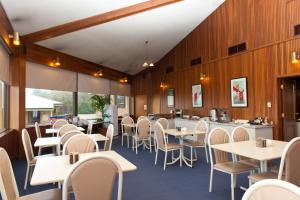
{"x": 95, "y": 20}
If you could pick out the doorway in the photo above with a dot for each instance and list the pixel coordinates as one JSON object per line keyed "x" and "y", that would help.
{"x": 290, "y": 100}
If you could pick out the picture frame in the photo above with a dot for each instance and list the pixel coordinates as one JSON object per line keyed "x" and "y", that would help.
{"x": 197, "y": 96}
{"x": 171, "y": 97}
{"x": 239, "y": 92}
{"x": 120, "y": 101}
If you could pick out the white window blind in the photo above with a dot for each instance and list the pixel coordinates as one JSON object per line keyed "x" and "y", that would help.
{"x": 117, "y": 88}
{"x": 90, "y": 84}
{"x": 4, "y": 65}
{"x": 44, "y": 77}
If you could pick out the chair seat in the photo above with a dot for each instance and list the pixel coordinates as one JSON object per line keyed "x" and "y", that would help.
{"x": 262, "y": 176}
{"x": 173, "y": 146}
{"x": 234, "y": 168}
{"x": 193, "y": 143}
{"x": 53, "y": 194}
{"x": 251, "y": 162}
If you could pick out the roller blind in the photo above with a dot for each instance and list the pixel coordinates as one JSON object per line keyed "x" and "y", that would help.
{"x": 44, "y": 77}
{"x": 4, "y": 65}
{"x": 90, "y": 84}
{"x": 117, "y": 88}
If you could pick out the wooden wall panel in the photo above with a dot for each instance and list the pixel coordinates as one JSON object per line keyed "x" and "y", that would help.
{"x": 290, "y": 68}
{"x": 292, "y": 16}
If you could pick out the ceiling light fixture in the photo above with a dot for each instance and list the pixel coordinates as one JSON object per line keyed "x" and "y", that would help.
{"x": 124, "y": 80}
{"x": 57, "y": 62}
{"x": 295, "y": 57}
{"x": 16, "y": 38}
{"x": 147, "y": 62}
{"x": 98, "y": 73}
{"x": 202, "y": 76}
{"x": 162, "y": 85}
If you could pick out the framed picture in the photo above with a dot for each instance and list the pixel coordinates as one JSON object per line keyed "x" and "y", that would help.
{"x": 197, "y": 96}
{"x": 239, "y": 92}
{"x": 171, "y": 97}
{"x": 120, "y": 101}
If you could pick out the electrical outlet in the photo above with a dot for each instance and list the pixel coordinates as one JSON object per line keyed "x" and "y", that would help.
{"x": 269, "y": 104}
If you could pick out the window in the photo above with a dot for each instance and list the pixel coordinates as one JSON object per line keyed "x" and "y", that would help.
{"x": 122, "y": 103}
{"x": 85, "y": 109}
{"x": 3, "y": 106}
{"x": 42, "y": 104}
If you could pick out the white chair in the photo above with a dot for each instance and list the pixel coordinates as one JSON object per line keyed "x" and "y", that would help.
{"x": 38, "y": 135}
{"x": 166, "y": 147}
{"x": 126, "y": 130}
{"x": 65, "y": 138}
{"x": 90, "y": 128}
{"x": 66, "y": 128}
{"x": 80, "y": 143}
{"x": 272, "y": 190}
{"x": 110, "y": 136}
{"x": 141, "y": 117}
{"x": 142, "y": 134}
{"x": 200, "y": 142}
{"x": 59, "y": 123}
{"x": 30, "y": 158}
{"x": 165, "y": 124}
{"x": 8, "y": 186}
{"x": 219, "y": 160}
{"x": 87, "y": 178}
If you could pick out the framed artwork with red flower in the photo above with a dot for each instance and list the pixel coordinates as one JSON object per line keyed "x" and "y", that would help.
{"x": 239, "y": 92}
{"x": 197, "y": 96}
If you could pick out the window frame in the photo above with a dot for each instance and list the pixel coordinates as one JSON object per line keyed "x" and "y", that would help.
{"x": 5, "y": 107}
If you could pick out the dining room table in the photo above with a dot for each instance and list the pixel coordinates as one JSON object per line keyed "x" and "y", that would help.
{"x": 181, "y": 134}
{"x": 249, "y": 149}
{"x": 53, "y": 169}
{"x": 55, "y": 130}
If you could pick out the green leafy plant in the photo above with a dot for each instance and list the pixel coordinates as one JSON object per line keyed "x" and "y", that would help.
{"x": 99, "y": 103}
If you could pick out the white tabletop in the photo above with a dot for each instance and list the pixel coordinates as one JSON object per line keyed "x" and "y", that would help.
{"x": 55, "y": 130}
{"x": 182, "y": 133}
{"x": 249, "y": 149}
{"x": 54, "y": 169}
{"x": 54, "y": 141}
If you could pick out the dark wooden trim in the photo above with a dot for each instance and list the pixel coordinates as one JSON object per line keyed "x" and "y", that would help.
{"x": 95, "y": 20}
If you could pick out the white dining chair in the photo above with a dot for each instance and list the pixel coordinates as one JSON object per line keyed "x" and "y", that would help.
{"x": 126, "y": 130}
{"x": 59, "y": 123}
{"x": 80, "y": 143}
{"x": 63, "y": 139}
{"x": 110, "y": 136}
{"x": 87, "y": 182}
{"x": 142, "y": 135}
{"x": 66, "y": 128}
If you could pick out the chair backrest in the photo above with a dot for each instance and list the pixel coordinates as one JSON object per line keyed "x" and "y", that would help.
{"x": 65, "y": 138}
{"x": 90, "y": 128}
{"x": 37, "y": 130}
{"x": 66, "y": 128}
{"x": 240, "y": 134}
{"x": 126, "y": 129}
{"x": 59, "y": 123}
{"x": 141, "y": 117}
{"x": 164, "y": 123}
{"x": 8, "y": 185}
{"x": 272, "y": 189}
{"x": 143, "y": 128}
{"x": 110, "y": 136}
{"x": 202, "y": 126}
{"x": 80, "y": 143}
{"x": 290, "y": 162}
{"x": 160, "y": 135}
{"x": 27, "y": 145}
{"x": 93, "y": 178}
{"x": 218, "y": 136}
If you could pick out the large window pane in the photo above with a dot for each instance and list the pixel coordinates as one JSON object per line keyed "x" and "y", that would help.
{"x": 41, "y": 104}
{"x": 85, "y": 109}
{"x": 122, "y": 103}
{"x": 3, "y": 106}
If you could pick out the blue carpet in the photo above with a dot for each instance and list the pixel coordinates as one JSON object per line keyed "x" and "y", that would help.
{"x": 152, "y": 182}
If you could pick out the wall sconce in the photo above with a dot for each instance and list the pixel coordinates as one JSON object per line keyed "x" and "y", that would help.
{"x": 162, "y": 85}
{"x": 55, "y": 62}
{"x": 295, "y": 57}
{"x": 16, "y": 38}
{"x": 98, "y": 73}
{"x": 124, "y": 80}
{"x": 202, "y": 76}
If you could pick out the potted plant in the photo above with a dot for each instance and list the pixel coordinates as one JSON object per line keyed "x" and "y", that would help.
{"x": 100, "y": 103}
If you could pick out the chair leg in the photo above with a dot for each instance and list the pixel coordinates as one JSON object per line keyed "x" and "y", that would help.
{"x": 211, "y": 179}
{"x": 206, "y": 154}
{"x": 195, "y": 151}
{"x": 136, "y": 146}
{"x": 232, "y": 186}
{"x": 150, "y": 144}
{"x": 26, "y": 177}
{"x": 165, "y": 163}
{"x": 191, "y": 156}
{"x": 156, "y": 156}
{"x": 122, "y": 139}
{"x": 181, "y": 155}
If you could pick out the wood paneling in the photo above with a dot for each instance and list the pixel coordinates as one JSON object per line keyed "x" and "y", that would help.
{"x": 5, "y": 29}
{"x": 95, "y": 20}
{"x": 10, "y": 142}
{"x": 45, "y": 56}
{"x": 266, "y": 26}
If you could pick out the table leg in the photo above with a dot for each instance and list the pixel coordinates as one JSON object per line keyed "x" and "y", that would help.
{"x": 263, "y": 166}
{"x": 182, "y": 156}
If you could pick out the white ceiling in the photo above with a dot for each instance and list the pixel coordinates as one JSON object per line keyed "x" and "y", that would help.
{"x": 118, "y": 44}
